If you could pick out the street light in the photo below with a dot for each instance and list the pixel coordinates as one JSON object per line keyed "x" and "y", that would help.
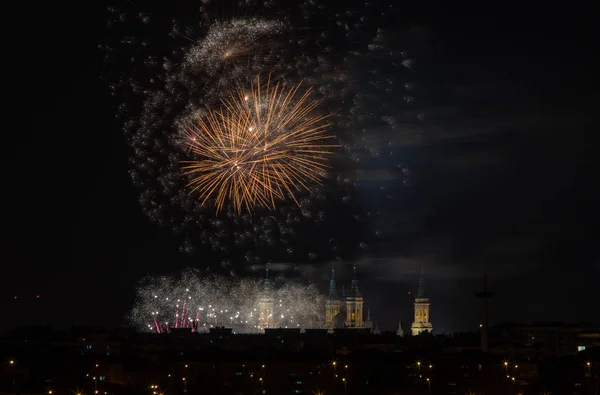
{"x": 184, "y": 384}
{"x": 345, "y": 385}
{"x": 12, "y": 365}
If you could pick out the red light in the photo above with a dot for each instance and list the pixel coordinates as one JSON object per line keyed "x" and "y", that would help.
{"x": 15, "y": 298}
{"x": 37, "y": 296}
{"x": 409, "y": 292}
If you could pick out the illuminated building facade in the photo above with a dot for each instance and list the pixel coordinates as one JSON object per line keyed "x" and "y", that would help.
{"x": 421, "y": 323}
{"x": 354, "y": 306}
{"x": 332, "y": 304}
{"x": 345, "y": 311}
{"x": 266, "y": 305}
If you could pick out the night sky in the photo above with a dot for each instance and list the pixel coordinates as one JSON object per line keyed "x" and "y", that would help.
{"x": 501, "y": 183}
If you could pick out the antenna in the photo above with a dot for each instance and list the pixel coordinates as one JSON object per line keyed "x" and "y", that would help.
{"x": 485, "y": 296}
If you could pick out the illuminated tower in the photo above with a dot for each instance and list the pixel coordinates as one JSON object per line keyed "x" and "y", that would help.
{"x": 266, "y": 305}
{"x": 332, "y": 305}
{"x": 354, "y": 306}
{"x": 400, "y": 332}
{"x": 421, "y": 323}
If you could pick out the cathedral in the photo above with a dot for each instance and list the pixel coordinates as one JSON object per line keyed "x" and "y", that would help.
{"x": 345, "y": 311}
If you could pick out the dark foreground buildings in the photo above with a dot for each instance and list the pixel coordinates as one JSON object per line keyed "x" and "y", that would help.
{"x": 553, "y": 359}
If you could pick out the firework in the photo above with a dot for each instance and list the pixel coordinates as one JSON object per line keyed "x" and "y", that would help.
{"x": 229, "y": 49}
{"x": 191, "y": 301}
{"x": 261, "y": 146}
{"x": 171, "y": 63}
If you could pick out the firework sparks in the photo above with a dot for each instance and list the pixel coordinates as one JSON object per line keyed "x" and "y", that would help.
{"x": 259, "y": 147}
{"x": 233, "y": 43}
{"x": 167, "y": 64}
{"x": 192, "y": 301}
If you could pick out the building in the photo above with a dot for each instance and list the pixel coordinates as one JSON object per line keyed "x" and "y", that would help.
{"x": 345, "y": 311}
{"x": 400, "y": 332}
{"x": 368, "y": 322}
{"x": 354, "y": 306}
{"x": 333, "y": 304}
{"x": 266, "y": 306}
{"x": 541, "y": 340}
{"x": 421, "y": 323}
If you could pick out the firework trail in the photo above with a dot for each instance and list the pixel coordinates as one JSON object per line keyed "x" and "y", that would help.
{"x": 259, "y": 148}
{"x": 190, "y": 301}
{"x": 171, "y": 67}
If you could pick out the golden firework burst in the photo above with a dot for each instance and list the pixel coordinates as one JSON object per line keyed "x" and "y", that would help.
{"x": 259, "y": 147}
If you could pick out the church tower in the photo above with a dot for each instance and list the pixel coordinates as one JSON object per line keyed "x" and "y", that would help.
{"x": 332, "y": 305}
{"x": 354, "y": 306}
{"x": 368, "y": 322}
{"x": 400, "y": 332}
{"x": 421, "y": 323}
{"x": 266, "y": 305}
